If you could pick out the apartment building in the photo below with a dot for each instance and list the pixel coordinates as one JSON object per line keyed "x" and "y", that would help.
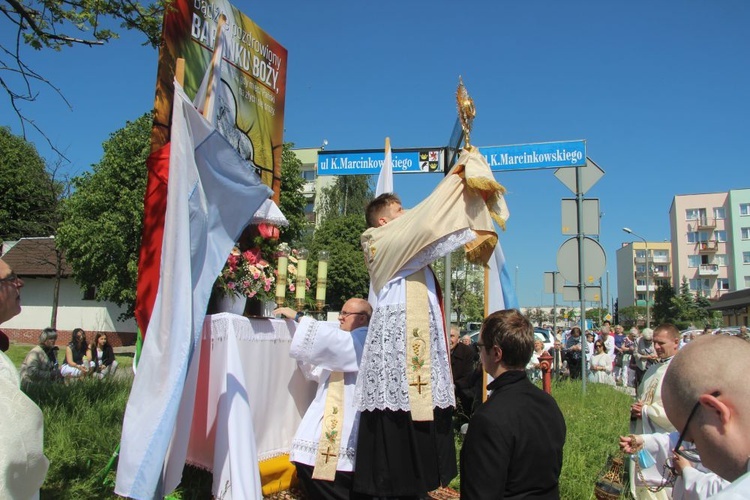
{"x": 641, "y": 268}
{"x": 711, "y": 241}
{"x": 313, "y": 183}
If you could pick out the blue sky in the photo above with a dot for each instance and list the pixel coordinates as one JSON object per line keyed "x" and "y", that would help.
{"x": 657, "y": 89}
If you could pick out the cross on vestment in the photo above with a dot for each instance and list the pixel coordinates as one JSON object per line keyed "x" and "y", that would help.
{"x": 328, "y": 453}
{"x": 418, "y": 384}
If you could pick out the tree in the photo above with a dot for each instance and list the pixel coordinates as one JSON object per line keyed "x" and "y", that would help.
{"x": 291, "y": 199}
{"x": 664, "y": 310}
{"x": 467, "y": 286}
{"x": 536, "y": 315}
{"x": 347, "y": 273}
{"x": 103, "y": 219}
{"x": 349, "y": 195}
{"x": 29, "y": 194}
{"x": 56, "y": 24}
{"x": 631, "y": 316}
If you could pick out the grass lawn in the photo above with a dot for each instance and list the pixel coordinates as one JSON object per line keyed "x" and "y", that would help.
{"x": 83, "y": 421}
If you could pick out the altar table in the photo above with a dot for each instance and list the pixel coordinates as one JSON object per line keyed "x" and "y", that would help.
{"x": 247, "y": 386}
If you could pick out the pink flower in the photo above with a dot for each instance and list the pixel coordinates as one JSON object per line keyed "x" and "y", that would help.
{"x": 252, "y": 256}
{"x": 291, "y": 286}
{"x": 231, "y": 285}
{"x": 251, "y": 293}
{"x": 268, "y": 231}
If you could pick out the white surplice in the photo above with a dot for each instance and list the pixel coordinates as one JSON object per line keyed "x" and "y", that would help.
{"x": 383, "y": 381}
{"x": 321, "y": 348}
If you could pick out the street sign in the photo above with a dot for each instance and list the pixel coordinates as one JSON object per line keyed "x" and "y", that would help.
{"x": 572, "y": 294}
{"x": 536, "y": 156}
{"x": 593, "y": 253}
{"x": 553, "y": 282}
{"x": 590, "y": 175}
{"x": 370, "y": 161}
{"x": 590, "y": 216}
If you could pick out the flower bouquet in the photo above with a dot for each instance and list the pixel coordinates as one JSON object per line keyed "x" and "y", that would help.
{"x": 247, "y": 274}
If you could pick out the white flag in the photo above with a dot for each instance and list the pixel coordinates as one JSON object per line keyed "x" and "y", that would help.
{"x": 385, "y": 178}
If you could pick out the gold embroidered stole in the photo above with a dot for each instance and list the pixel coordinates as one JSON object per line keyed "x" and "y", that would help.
{"x": 327, "y": 457}
{"x": 418, "y": 354}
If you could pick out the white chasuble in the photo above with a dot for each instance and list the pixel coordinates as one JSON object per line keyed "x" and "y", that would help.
{"x": 321, "y": 348}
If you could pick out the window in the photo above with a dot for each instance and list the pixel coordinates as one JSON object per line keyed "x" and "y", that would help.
{"x": 661, "y": 256}
{"x": 640, "y": 254}
{"x": 720, "y": 236}
{"x": 692, "y": 237}
{"x": 89, "y": 293}
{"x": 694, "y": 260}
{"x": 701, "y": 284}
{"x": 745, "y": 233}
{"x": 722, "y": 284}
{"x": 310, "y": 207}
{"x": 719, "y": 213}
{"x": 746, "y": 257}
{"x": 744, "y": 208}
{"x": 747, "y": 281}
{"x": 720, "y": 259}
{"x": 692, "y": 214}
{"x": 308, "y": 175}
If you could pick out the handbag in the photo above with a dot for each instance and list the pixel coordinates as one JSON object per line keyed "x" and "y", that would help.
{"x": 610, "y": 483}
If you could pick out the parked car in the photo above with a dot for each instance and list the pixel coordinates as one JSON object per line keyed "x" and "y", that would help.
{"x": 540, "y": 333}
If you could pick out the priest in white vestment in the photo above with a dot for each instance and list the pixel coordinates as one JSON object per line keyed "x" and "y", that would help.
{"x": 323, "y": 449}
{"x": 23, "y": 465}
{"x": 649, "y": 415}
{"x": 707, "y": 396}
{"x": 405, "y": 388}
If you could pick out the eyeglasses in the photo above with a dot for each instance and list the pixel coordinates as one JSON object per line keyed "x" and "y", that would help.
{"x": 345, "y": 314}
{"x": 11, "y": 278}
{"x": 691, "y": 454}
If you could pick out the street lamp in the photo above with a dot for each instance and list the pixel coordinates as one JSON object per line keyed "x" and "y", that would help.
{"x": 648, "y": 270}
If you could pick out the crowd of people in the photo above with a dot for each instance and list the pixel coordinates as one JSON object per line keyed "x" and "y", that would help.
{"x": 81, "y": 359}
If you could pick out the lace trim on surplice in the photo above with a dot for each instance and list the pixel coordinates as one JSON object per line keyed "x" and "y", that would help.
{"x": 382, "y": 383}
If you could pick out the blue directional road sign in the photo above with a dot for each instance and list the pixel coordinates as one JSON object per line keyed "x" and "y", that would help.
{"x": 536, "y": 156}
{"x": 369, "y": 162}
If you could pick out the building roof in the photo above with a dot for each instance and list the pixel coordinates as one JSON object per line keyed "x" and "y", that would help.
{"x": 732, "y": 300}
{"x": 31, "y": 257}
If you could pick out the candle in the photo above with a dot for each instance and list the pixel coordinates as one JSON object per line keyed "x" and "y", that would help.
{"x": 282, "y": 267}
{"x": 320, "y": 291}
{"x": 301, "y": 274}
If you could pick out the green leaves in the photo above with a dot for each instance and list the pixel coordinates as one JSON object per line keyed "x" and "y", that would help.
{"x": 103, "y": 219}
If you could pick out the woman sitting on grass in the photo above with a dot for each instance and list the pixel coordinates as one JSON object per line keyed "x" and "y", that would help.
{"x": 40, "y": 364}
{"x": 75, "y": 356}
{"x": 101, "y": 356}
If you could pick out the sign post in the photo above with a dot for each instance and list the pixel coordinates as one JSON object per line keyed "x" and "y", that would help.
{"x": 579, "y": 180}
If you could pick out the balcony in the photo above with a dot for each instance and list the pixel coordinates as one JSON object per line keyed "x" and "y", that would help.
{"x": 660, "y": 274}
{"x": 642, "y": 288}
{"x": 708, "y": 246}
{"x": 706, "y": 223}
{"x": 708, "y": 270}
{"x": 640, "y": 260}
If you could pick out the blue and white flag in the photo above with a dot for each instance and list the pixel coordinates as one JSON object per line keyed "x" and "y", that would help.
{"x": 501, "y": 294}
{"x": 212, "y": 194}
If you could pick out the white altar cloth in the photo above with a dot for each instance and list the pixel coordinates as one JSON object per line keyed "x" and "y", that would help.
{"x": 260, "y": 392}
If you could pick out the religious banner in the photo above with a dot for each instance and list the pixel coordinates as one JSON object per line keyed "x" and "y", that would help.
{"x": 252, "y": 89}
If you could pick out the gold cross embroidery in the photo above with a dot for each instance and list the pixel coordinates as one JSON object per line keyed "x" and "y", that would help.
{"x": 328, "y": 453}
{"x": 418, "y": 384}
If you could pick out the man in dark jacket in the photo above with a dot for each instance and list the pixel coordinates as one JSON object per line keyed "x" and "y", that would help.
{"x": 514, "y": 445}
{"x": 462, "y": 366}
